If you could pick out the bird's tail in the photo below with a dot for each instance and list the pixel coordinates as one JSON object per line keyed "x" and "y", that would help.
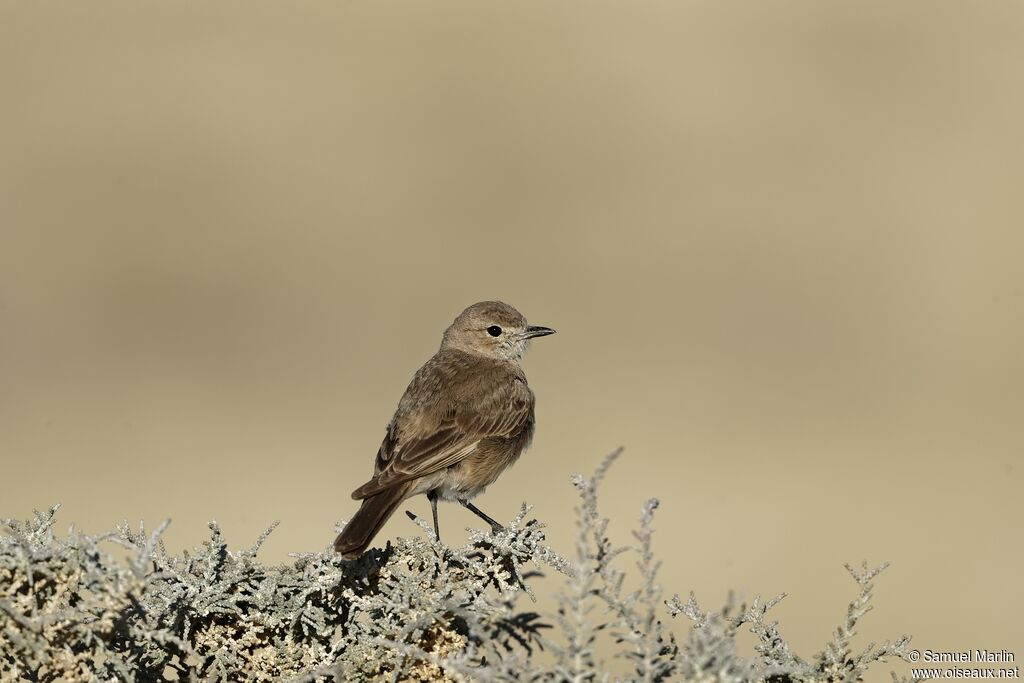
{"x": 371, "y": 516}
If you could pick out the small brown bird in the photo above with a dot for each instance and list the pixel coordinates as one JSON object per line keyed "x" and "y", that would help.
{"x": 465, "y": 417}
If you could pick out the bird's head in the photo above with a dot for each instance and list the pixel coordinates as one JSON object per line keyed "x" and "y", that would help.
{"x": 492, "y": 329}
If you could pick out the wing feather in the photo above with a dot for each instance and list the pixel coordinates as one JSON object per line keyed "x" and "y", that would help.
{"x": 440, "y": 421}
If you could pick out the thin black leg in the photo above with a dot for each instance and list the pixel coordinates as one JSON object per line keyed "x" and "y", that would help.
{"x": 432, "y": 497}
{"x": 495, "y": 527}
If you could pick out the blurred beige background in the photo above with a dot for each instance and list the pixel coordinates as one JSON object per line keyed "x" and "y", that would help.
{"x": 781, "y": 243}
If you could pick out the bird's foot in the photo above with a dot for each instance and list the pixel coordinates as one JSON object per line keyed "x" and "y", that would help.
{"x": 495, "y": 527}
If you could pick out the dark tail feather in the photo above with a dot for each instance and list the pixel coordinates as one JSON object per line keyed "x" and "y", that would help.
{"x": 371, "y": 516}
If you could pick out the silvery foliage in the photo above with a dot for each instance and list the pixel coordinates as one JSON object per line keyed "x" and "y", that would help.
{"x": 413, "y": 611}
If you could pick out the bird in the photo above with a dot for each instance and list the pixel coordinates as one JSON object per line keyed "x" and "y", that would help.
{"x": 466, "y": 416}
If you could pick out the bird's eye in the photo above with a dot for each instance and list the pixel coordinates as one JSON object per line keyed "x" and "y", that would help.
{"x": 494, "y": 331}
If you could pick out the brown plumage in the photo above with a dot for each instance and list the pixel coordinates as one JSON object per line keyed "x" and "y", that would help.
{"x": 466, "y": 416}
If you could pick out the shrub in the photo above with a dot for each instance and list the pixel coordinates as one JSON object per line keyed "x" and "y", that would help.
{"x": 413, "y": 611}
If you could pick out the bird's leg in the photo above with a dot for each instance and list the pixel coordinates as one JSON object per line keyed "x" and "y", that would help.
{"x": 432, "y": 497}
{"x": 495, "y": 527}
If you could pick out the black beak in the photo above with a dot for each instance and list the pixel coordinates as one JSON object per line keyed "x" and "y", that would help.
{"x": 537, "y": 331}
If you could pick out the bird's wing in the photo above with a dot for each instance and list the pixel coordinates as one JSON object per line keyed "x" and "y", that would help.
{"x": 436, "y": 435}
